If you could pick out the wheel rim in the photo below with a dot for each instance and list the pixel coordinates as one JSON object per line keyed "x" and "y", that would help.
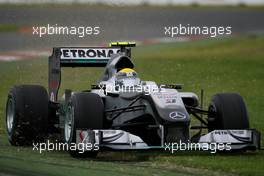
{"x": 68, "y": 123}
{"x": 212, "y": 111}
{"x": 10, "y": 115}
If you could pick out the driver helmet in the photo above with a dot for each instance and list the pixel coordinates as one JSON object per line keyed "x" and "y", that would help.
{"x": 127, "y": 77}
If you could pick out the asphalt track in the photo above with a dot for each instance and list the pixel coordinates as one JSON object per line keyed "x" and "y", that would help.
{"x": 117, "y": 23}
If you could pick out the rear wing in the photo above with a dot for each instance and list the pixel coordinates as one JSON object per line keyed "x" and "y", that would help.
{"x": 81, "y": 57}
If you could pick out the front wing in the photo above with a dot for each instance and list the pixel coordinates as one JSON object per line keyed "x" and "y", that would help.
{"x": 121, "y": 140}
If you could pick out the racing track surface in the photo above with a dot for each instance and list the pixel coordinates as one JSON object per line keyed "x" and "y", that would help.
{"x": 117, "y": 23}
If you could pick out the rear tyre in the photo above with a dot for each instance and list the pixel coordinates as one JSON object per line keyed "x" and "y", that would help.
{"x": 227, "y": 111}
{"x": 84, "y": 111}
{"x": 26, "y": 114}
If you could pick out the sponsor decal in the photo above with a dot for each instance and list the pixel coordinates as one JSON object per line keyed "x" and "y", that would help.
{"x": 52, "y": 97}
{"x": 166, "y": 95}
{"x": 241, "y": 132}
{"x": 88, "y": 53}
{"x": 170, "y": 101}
{"x": 177, "y": 115}
{"x": 221, "y": 132}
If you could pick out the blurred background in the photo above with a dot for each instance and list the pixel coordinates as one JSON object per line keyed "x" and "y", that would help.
{"x": 137, "y": 20}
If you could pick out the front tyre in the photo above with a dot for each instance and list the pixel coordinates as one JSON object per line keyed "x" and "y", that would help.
{"x": 227, "y": 111}
{"x": 84, "y": 111}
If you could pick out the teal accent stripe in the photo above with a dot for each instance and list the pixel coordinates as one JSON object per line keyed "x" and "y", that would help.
{"x": 84, "y": 60}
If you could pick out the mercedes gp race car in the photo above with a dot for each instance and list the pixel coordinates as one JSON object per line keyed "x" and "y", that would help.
{"x": 121, "y": 111}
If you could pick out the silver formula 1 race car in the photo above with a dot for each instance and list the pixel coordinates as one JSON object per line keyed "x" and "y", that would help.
{"x": 122, "y": 111}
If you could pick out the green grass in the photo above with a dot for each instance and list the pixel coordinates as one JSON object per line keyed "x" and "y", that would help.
{"x": 8, "y": 27}
{"x": 223, "y": 65}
